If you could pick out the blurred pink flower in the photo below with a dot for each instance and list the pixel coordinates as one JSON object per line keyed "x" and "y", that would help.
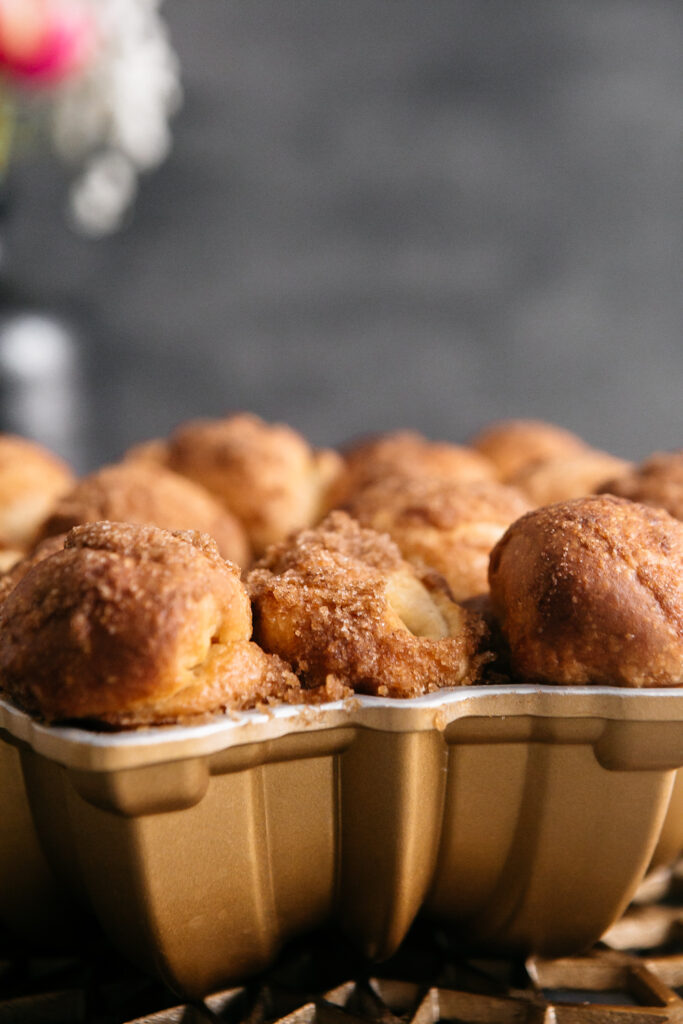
{"x": 43, "y": 42}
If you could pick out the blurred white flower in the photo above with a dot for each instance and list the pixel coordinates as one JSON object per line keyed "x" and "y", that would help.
{"x": 102, "y": 193}
{"x": 111, "y": 121}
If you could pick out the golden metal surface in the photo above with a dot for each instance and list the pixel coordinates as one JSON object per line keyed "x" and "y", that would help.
{"x": 670, "y": 845}
{"x": 524, "y": 819}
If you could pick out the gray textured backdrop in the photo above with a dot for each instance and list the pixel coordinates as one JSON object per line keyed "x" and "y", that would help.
{"x": 392, "y": 213}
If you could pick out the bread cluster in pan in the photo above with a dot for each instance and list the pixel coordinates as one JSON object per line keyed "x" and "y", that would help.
{"x": 31, "y": 479}
{"x": 141, "y": 493}
{"x": 130, "y": 625}
{"x": 264, "y": 474}
{"x": 448, "y": 525}
{"x": 232, "y": 566}
{"x": 340, "y": 604}
{"x": 591, "y": 591}
{"x": 658, "y": 481}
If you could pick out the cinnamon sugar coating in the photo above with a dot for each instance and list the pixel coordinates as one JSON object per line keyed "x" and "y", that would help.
{"x": 11, "y": 577}
{"x": 340, "y": 604}
{"x": 658, "y": 481}
{"x": 512, "y": 445}
{"x": 136, "y": 492}
{"x": 450, "y": 527}
{"x": 31, "y": 479}
{"x": 406, "y": 454}
{"x": 567, "y": 476}
{"x": 591, "y": 591}
{"x": 265, "y": 474}
{"x": 133, "y": 625}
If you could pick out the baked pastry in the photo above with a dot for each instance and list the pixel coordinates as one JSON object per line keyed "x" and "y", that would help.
{"x": 265, "y": 474}
{"x": 9, "y": 558}
{"x": 450, "y": 527}
{"x": 338, "y": 602}
{"x": 146, "y": 493}
{"x": 10, "y": 578}
{"x": 406, "y": 454}
{"x": 591, "y": 591}
{"x": 658, "y": 481}
{"x": 133, "y": 625}
{"x": 512, "y": 445}
{"x": 31, "y": 479}
{"x": 154, "y": 452}
{"x": 567, "y": 476}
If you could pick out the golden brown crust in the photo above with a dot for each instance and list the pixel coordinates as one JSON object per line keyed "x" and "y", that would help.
{"x": 567, "y": 477}
{"x": 265, "y": 474}
{"x": 137, "y": 492}
{"x": 591, "y": 591}
{"x": 515, "y": 444}
{"x": 239, "y": 677}
{"x": 408, "y": 455}
{"x": 31, "y": 479}
{"x": 448, "y": 526}
{"x": 9, "y": 557}
{"x": 340, "y": 604}
{"x": 18, "y": 570}
{"x": 154, "y": 452}
{"x": 133, "y": 624}
{"x": 658, "y": 482}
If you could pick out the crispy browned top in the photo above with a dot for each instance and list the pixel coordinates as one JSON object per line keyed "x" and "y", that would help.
{"x": 131, "y": 623}
{"x": 513, "y": 444}
{"x": 407, "y": 454}
{"x": 591, "y": 591}
{"x": 567, "y": 476}
{"x": 31, "y": 478}
{"x": 336, "y": 542}
{"x": 136, "y": 492}
{"x": 266, "y": 474}
{"x": 9, "y": 579}
{"x": 338, "y": 602}
{"x": 441, "y": 504}
{"x": 658, "y": 481}
{"x": 154, "y": 451}
{"x": 448, "y": 526}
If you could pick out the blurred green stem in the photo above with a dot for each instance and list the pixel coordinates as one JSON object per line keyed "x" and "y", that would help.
{"x": 7, "y": 121}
